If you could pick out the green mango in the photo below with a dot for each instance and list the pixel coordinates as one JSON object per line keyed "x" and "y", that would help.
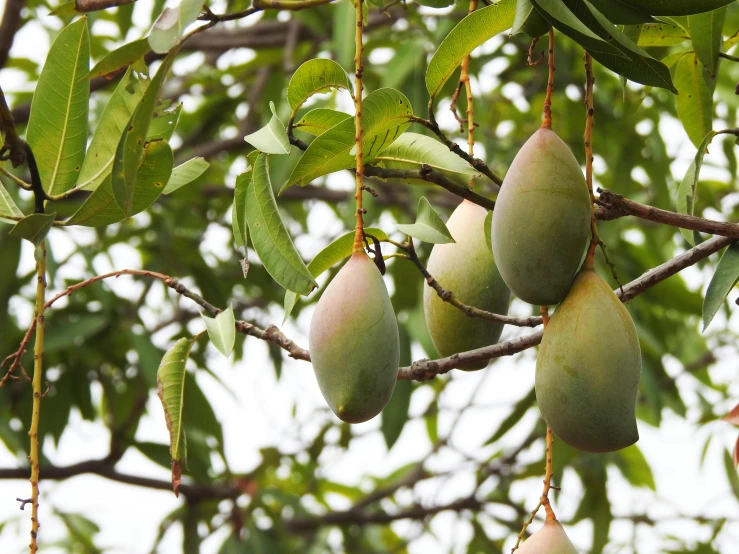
{"x": 466, "y": 268}
{"x": 354, "y": 342}
{"x": 550, "y": 539}
{"x": 541, "y": 220}
{"x": 588, "y": 368}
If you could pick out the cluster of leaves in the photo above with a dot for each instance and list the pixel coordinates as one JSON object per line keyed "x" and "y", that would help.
{"x": 129, "y": 164}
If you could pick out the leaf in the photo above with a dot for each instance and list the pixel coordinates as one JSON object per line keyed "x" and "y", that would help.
{"x": 272, "y": 138}
{"x": 171, "y": 392}
{"x": 688, "y": 189}
{"x": 99, "y": 159}
{"x": 634, "y": 467}
{"x": 101, "y": 209}
{"x": 320, "y": 120}
{"x": 385, "y": 115}
{"x": 222, "y": 330}
{"x": 163, "y": 124}
{"x": 185, "y": 173}
{"x": 475, "y": 29}
{"x": 705, "y": 32}
{"x": 621, "y": 14}
{"x": 412, "y": 150}
{"x": 730, "y": 466}
{"x": 435, "y": 3}
{"x": 34, "y": 227}
{"x": 733, "y": 416}
{"x": 343, "y": 33}
{"x": 395, "y": 414}
{"x": 8, "y": 207}
{"x": 428, "y": 226}
{"x": 724, "y": 279}
{"x": 171, "y": 24}
{"x": 131, "y": 145}
{"x": 57, "y": 127}
{"x": 120, "y": 58}
{"x": 694, "y": 101}
{"x": 519, "y": 410}
{"x": 523, "y": 12}
{"x": 487, "y": 227}
{"x": 661, "y": 34}
{"x": 327, "y": 258}
{"x": 673, "y": 7}
{"x": 269, "y": 237}
{"x": 313, "y": 77}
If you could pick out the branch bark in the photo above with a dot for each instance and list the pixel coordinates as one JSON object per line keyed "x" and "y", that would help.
{"x": 9, "y": 27}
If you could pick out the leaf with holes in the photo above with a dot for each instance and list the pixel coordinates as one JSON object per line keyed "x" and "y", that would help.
{"x": 130, "y": 150}
{"x": 695, "y": 101}
{"x": 185, "y": 173}
{"x": 724, "y": 279}
{"x": 318, "y": 121}
{"x": 171, "y": 392}
{"x": 171, "y": 24}
{"x": 475, "y": 29}
{"x": 412, "y": 150}
{"x": 328, "y": 257}
{"x": 428, "y": 226}
{"x": 57, "y": 126}
{"x": 222, "y": 330}
{"x": 705, "y": 32}
{"x": 385, "y": 114}
{"x": 688, "y": 189}
{"x": 34, "y": 227}
{"x": 314, "y": 77}
{"x": 269, "y": 235}
{"x": 272, "y": 138}
{"x": 118, "y": 111}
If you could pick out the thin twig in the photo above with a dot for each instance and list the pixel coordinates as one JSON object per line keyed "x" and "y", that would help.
{"x": 358, "y": 130}
{"x": 550, "y": 83}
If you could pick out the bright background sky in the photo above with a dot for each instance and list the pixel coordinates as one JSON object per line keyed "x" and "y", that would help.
{"x": 261, "y": 414}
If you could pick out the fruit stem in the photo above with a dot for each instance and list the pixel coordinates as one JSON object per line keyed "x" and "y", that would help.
{"x": 548, "y": 473}
{"x": 550, "y": 84}
{"x": 465, "y": 77}
{"x": 358, "y": 69}
{"x": 38, "y": 356}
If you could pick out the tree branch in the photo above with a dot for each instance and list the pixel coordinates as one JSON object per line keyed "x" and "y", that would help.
{"x": 9, "y": 27}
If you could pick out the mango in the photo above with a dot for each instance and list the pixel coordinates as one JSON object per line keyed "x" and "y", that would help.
{"x": 588, "y": 368}
{"x": 354, "y": 342}
{"x": 467, "y": 268}
{"x": 541, "y": 220}
{"x": 550, "y": 539}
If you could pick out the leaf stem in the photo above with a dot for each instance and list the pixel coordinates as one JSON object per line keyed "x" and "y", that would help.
{"x": 358, "y": 69}
{"x": 550, "y": 84}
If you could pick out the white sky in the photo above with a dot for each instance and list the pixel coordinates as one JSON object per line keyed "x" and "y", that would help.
{"x": 128, "y": 516}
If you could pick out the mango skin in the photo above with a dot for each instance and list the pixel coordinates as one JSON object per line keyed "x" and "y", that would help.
{"x": 550, "y": 539}
{"x": 467, "y": 268}
{"x": 541, "y": 220}
{"x": 354, "y": 342}
{"x": 588, "y": 369}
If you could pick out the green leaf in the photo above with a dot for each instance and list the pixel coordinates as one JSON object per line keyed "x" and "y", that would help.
{"x": 675, "y": 7}
{"x": 313, "y": 77}
{"x": 385, "y": 115}
{"x": 171, "y": 24}
{"x": 164, "y": 123}
{"x": 724, "y": 279}
{"x": 101, "y": 209}
{"x": 57, "y": 127}
{"x": 269, "y": 237}
{"x": 475, "y": 29}
{"x": 65, "y": 8}
{"x": 731, "y": 473}
{"x": 343, "y": 33}
{"x": 120, "y": 58}
{"x": 320, "y": 120}
{"x": 524, "y": 9}
{"x": 688, "y": 190}
{"x": 222, "y": 330}
{"x": 435, "y": 3}
{"x": 634, "y": 467}
{"x": 185, "y": 173}
{"x": 412, "y": 150}
{"x": 131, "y": 145}
{"x": 171, "y": 392}
{"x": 34, "y": 227}
{"x": 328, "y": 257}
{"x": 619, "y": 13}
{"x": 695, "y": 101}
{"x": 99, "y": 159}
{"x": 272, "y": 138}
{"x": 395, "y": 414}
{"x": 428, "y": 226}
{"x": 487, "y": 227}
{"x": 705, "y": 32}
{"x": 661, "y": 34}
{"x": 8, "y": 208}
{"x": 519, "y": 410}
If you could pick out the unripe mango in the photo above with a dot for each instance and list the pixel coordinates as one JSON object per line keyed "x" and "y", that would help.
{"x": 588, "y": 368}
{"x": 550, "y": 539}
{"x": 541, "y": 220}
{"x": 354, "y": 342}
{"x": 466, "y": 268}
